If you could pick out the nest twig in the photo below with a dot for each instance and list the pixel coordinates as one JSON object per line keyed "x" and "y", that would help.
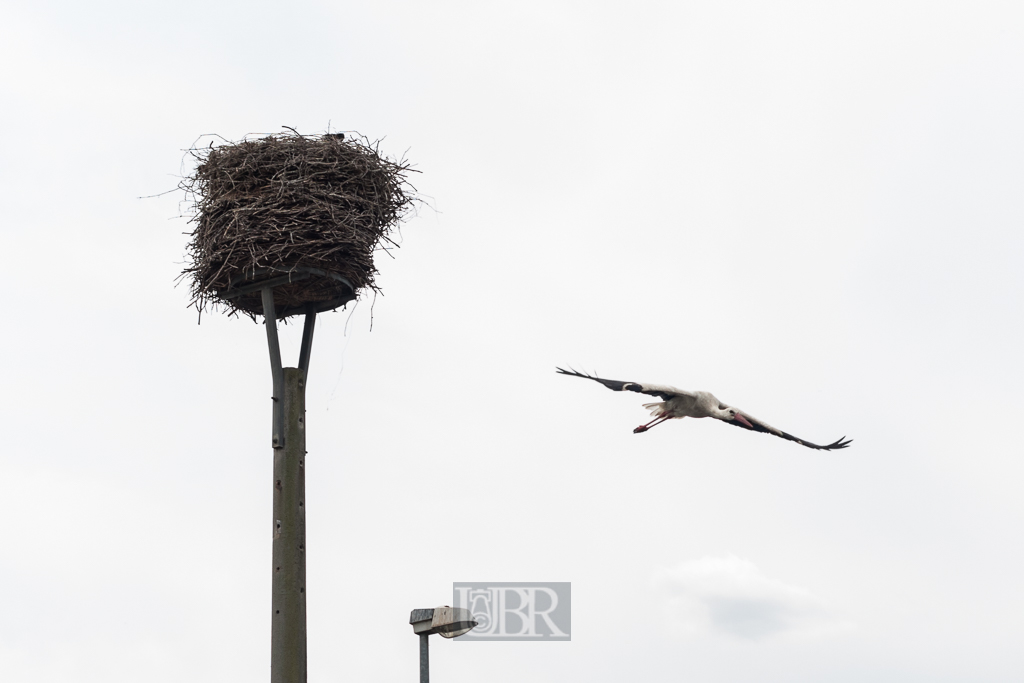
{"x": 270, "y": 204}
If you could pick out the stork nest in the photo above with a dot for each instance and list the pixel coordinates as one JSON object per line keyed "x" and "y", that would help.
{"x": 265, "y": 207}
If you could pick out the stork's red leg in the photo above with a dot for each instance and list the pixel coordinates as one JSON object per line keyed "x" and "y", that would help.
{"x": 653, "y": 423}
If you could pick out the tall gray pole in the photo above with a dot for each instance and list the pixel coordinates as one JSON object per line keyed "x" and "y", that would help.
{"x": 288, "y": 631}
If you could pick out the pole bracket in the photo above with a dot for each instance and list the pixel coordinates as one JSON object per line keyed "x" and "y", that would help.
{"x": 276, "y": 369}
{"x": 266, "y": 280}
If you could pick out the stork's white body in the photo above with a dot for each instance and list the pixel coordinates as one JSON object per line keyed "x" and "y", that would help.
{"x": 685, "y": 404}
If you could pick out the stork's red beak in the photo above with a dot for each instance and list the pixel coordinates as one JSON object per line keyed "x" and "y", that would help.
{"x": 744, "y": 421}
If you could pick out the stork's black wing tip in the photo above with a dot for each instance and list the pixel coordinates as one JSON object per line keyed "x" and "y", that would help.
{"x": 834, "y": 446}
{"x": 613, "y": 384}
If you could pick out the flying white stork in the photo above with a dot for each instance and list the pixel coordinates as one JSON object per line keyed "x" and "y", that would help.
{"x": 677, "y": 403}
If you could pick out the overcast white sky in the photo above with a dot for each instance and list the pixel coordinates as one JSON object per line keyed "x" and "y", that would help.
{"x": 811, "y": 209}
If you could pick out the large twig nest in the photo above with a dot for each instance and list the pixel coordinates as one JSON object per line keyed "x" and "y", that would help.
{"x": 311, "y": 209}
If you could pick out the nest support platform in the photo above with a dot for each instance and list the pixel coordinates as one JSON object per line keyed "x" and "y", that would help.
{"x": 296, "y": 289}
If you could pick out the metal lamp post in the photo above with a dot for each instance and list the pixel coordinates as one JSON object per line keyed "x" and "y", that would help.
{"x": 447, "y": 622}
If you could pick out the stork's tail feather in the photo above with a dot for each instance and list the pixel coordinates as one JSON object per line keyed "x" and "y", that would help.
{"x": 657, "y": 409}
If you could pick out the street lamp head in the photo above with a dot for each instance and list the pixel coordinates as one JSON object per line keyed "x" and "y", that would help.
{"x": 448, "y": 622}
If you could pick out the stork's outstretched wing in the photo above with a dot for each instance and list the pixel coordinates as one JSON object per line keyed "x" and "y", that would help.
{"x": 755, "y": 425}
{"x": 662, "y": 392}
